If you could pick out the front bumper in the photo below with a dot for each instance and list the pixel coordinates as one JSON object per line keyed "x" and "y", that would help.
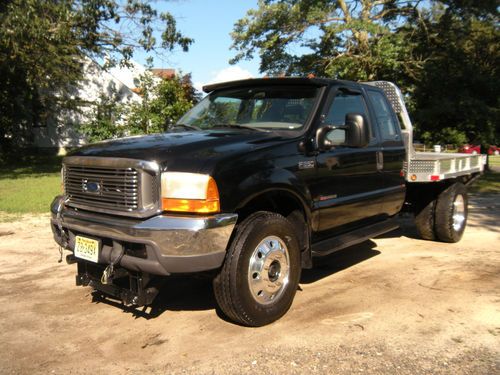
{"x": 161, "y": 245}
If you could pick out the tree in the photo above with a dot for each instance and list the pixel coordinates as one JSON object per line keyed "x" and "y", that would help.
{"x": 42, "y": 45}
{"x": 339, "y": 39}
{"x": 105, "y": 119}
{"x": 164, "y": 100}
{"x": 459, "y": 85}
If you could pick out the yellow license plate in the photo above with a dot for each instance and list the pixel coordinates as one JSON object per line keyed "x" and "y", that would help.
{"x": 86, "y": 248}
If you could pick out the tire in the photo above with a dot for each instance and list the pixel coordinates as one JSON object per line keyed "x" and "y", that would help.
{"x": 424, "y": 221}
{"x": 451, "y": 213}
{"x": 261, "y": 272}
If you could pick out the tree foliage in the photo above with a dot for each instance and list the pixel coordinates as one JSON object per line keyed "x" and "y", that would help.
{"x": 340, "y": 39}
{"x": 105, "y": 119}
{"x": 42, "y": 45}
{"x": 164, "y": 100}
{"x": 458, "y": 85}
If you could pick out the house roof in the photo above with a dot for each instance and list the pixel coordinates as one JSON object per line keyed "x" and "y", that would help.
{"x": 163, "y": 73}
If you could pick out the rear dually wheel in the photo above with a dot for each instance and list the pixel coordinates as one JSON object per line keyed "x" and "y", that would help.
{"x": 451, "y": 213}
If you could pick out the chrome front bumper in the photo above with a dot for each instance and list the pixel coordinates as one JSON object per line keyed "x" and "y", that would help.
{"x": 169, "y": 244}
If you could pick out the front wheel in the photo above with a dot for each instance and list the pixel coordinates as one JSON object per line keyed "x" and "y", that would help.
{"x": 261, "y": 272}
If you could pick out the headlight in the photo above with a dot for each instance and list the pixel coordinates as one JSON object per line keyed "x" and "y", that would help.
{"x": 189, "y": 192}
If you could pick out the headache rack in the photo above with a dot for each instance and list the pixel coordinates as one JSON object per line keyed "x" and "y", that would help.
{"x": 427, "y": 166}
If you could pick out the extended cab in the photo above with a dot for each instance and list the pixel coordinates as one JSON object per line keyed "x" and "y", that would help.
{"x": 251, "y": 184}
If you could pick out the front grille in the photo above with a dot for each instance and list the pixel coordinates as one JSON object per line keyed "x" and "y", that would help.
{"x": 117, "y": 186}
{"x": 115, "y": 189}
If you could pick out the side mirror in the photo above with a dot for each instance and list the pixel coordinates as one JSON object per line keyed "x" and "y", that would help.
{"x": 322, "y": 142}
{"x": 356, "y": 133}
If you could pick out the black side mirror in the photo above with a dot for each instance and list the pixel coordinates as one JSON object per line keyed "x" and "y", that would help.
{"x": 356, "y": 128}
{"x": 358, "y": 134}
{"x": 322, "y": 142}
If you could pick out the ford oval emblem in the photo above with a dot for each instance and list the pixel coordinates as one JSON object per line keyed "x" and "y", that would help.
{"x": 91, "y": 187}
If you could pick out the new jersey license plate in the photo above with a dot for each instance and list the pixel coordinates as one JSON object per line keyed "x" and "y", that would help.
{"x": 86, "y": 248}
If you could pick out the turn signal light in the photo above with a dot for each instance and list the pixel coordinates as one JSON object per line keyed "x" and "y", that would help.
{"x": 190, "y": 205}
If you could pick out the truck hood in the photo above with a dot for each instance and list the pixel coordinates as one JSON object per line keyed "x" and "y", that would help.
{"x": 189, "y": 151}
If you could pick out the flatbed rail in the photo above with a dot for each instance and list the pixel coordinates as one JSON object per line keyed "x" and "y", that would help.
{"x": 427, "y": 166}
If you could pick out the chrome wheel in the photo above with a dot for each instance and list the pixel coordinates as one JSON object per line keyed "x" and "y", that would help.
{"x": 268, "y": 270}
{"x": 458, "y": 212}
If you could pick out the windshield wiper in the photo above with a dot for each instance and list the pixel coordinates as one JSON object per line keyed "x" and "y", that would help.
{"x": 185, "y": 126}
{"x": 236, "y": 126}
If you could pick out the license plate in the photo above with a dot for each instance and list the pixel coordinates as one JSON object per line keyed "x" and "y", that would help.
{"x": 86, "y": 248}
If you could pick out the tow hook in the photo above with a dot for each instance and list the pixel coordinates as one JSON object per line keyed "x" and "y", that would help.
{"x": 109, "y": 273}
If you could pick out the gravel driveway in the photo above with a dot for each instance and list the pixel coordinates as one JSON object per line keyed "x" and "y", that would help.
{"x": 394, "y": 305}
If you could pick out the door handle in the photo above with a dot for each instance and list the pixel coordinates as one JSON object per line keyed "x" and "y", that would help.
{"x": 380, "y": 160}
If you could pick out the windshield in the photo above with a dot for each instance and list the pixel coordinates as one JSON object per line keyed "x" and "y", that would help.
{"x": 259, "y": 108}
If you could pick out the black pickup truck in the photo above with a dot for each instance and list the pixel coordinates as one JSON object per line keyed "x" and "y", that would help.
{"x": 249, "y": 186}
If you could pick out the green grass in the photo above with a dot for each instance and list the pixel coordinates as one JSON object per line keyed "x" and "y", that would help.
{"x": 28, "y": 185}
{"x": 488, "y": 183}
{"x": 494, "y": 161}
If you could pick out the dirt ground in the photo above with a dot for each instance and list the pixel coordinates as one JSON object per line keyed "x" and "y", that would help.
{"x": 394, "y": 305}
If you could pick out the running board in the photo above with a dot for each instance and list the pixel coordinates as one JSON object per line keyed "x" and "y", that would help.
{"x": 354, "y": 237}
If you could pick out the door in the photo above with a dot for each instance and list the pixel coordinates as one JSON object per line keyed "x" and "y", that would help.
{"x": 348, "y": 183}
{"x": 392, "y": 155}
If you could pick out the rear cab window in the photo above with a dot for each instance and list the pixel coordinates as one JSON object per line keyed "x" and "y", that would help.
{"x": 385, "y": 118}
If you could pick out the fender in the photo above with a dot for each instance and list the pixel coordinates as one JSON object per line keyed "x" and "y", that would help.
{"x": 281, "y": 180}
{"x": 272, "y": 180}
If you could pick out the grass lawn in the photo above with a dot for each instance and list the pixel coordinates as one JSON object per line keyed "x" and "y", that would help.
{"x": 29, "y": 185}
{"x": 494, "y": 161}
{"x": 488, "y": 183}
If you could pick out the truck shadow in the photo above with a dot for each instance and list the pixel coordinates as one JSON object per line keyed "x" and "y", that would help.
{"x": 195, "y": 293}
{"x": 406, "y": 228}
{"x": 339, "y": 261}
{"x": 179, "y": 293}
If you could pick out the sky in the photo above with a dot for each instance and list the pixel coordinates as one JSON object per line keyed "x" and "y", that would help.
{"x": 209, "y": 23}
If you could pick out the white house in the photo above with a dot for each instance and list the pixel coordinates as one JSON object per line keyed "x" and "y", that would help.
{"x": 61, "y": 131}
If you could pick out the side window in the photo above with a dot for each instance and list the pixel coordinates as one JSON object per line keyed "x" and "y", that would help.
{"x": 342, "y": 105}
{"x": 385, "y": 117}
